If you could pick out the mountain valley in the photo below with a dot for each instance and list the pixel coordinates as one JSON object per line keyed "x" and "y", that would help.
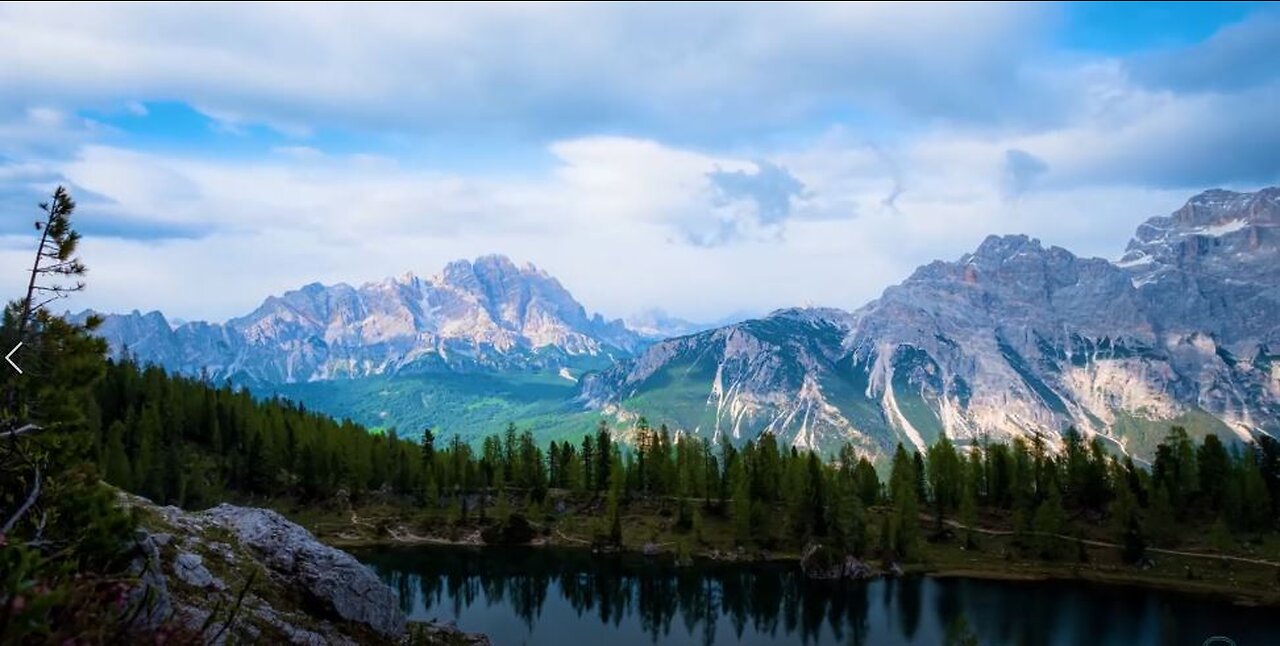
{"x": 1012, "y": 339}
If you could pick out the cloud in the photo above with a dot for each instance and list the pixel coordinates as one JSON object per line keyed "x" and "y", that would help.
{"x": 770, "y": 187}
{"x": 757, "y": 202}
{"x": 686, "y": 71}
{"x": 1021, "y": 169}
{"x": 1239, "y": 56}
{"x": 1159, "y": 139}
{"x": 695, "y": 157}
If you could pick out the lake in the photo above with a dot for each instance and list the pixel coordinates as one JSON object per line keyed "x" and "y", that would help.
{"x": 546, "y": 596}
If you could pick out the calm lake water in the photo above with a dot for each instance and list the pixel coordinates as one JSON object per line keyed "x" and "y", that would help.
{"x": 573, "y": 598}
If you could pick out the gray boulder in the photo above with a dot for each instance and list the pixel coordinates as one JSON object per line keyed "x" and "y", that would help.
{"x": 190, "y": 568}
{"x": 331, "y": 578}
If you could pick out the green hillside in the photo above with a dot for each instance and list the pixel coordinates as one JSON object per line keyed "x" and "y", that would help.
{"x": 468, "y": 404}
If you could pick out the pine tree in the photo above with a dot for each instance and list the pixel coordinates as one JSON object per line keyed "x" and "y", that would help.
{"x": 868, "y": 482}
{"x": 509, "y": 454}
{"x": 969, "y": 510}
{"x": 428, "y": 449}
{"x": 815, "y": 497}
{"x": 1049, "y": 521}
{"x": 906, "y": 520}
{"x": 741, "y": 512}
{"x": 944, "y": 478}
{"x": 604, "y": 456}
{"x": 118, "y": 471}
{"x": 148, "y": 474}
{"x": 1256, "y": 501}
{"x": 174, "y": 478}
{"x": 1076, "y": 463}
{"x": 1160, "y": 517}
{"x": 1214, "y": 467}
{"x": 589, "y": 463}
{"x": 849, "y": 522}
{"x": 617, "y": 481}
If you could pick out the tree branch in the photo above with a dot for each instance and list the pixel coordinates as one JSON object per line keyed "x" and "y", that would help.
{"x": 31, "y": 500}
{"x": 26, "y": 428}
{"x": 49, "y": 300}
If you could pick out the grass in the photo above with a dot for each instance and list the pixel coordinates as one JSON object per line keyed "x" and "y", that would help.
{"x": 470, "y": 405}
{"x": 652, "y": 524}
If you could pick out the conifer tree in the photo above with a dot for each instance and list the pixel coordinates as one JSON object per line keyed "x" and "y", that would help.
{"x": 741, "y": 512}
{"x": 1050, "y": 520}
{"x": 117, "y": 469}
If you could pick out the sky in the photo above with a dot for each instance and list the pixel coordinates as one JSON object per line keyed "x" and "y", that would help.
{"x": 704, "y": 159}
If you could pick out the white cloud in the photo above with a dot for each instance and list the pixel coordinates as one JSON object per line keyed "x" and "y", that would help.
{"x": 610, "y": 219}
{"x": 898, "y": 122}
{"x": 546, "y": 68}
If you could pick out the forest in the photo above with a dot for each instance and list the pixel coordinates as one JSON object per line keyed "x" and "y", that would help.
{"x": 74, "y": 419}
{"x": 182, "y": 441}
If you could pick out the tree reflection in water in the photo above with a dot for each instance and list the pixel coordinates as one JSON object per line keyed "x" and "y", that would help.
{"x": 628, "y": 599}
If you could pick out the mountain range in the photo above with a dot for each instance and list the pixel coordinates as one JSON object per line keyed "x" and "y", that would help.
{"x": 1011, "y": 339}
{"x": 487, "y": 314}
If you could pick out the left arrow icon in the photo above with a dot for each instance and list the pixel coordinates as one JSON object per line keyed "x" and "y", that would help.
{"x": 9, "y": 357}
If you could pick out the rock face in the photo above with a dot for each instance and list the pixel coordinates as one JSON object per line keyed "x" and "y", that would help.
{"x": 194, "y": 566}
{"x": 332, "y": 578}
{"x": 482, "y": 314}
{"x": 824, "y": 563}
{"x": 1011, "y": 339}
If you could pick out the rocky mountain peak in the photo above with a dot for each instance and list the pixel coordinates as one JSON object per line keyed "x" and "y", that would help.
{"x": 997, "y": 248}
{"x": 1013, "y": 338}
{"x": 1211, "y": 206}
{"x": 1212, "y": 267}
{"x": 1211, "y": 214}
{"x": 474, "y": 313}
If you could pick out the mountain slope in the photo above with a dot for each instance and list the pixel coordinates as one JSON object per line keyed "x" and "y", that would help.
{"x": 483, "y": 315}
{"x": 1012, "y": 339}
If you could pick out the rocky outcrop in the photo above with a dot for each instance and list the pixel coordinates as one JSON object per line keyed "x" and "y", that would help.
{"x": 825, "y": 563}
{"x": 235, "y": 574}
{"x": 332, "y": 579}
{"x": 483, "y": 314}
{"x": 445, "y": 634}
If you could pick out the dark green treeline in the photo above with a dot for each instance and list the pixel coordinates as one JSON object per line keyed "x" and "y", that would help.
{"x": 182, "y": 441}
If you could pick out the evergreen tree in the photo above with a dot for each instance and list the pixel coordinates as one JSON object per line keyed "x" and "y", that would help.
{"x": 617, "y": 480}
{"x": 1077, "y": 466}
{"x": 969, "y": 508}
{"x": 1160, "y": 517}
{"x": 868, "y": 482}
{"x": 1256, "y": 502}
{"x": 589, "y": 463}
{"x": 428, "y": 449}
{"x": 604, "y": 456}
{"x": 741, "y": 512}
{"x": 1214, "y": 467}
{"x": 944, "y": 478}
{"x": 849, "y": 522}
{"x": 1050, "y": 520}
{"x": 906, "y": 520}
{"x": 118, "y": 471}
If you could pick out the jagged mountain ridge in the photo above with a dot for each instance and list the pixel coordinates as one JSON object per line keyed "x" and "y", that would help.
{"x": 1012, "y": 339}
{"x": 487, "y": 314}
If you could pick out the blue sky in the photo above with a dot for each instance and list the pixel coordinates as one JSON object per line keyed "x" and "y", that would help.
{"x": 700, "y": 158}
